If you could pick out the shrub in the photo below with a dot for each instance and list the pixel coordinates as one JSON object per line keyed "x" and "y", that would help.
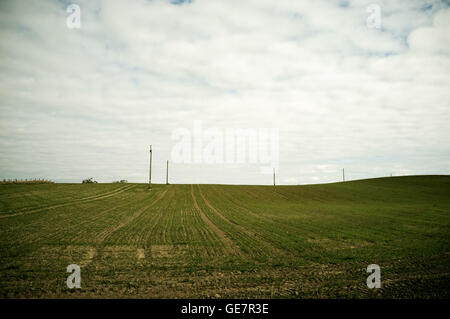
{"x": 26, "y": 181}
{"x": 89, "y": 181}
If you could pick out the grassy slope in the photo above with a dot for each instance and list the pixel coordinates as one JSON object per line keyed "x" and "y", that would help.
{"x": 227, "y": 241}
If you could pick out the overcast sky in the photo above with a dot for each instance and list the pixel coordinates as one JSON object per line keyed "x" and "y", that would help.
{"x": 87, "y": 102}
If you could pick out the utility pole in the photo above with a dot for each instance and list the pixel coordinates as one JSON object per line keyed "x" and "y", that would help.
{"x": 343, "y": 175}
{"x": 150, "y": 171}
{"x": 274, "y": 176}
{"x": 167, "y": 173}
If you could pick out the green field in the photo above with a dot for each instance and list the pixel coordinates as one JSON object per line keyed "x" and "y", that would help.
{"x": 216, "y": 241}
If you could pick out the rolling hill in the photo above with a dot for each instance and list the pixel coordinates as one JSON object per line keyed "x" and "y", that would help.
{"x": 217, "y": 241}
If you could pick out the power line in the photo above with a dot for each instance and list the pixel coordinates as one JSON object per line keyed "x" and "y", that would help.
{"x": 150, "y": 170}
{"x": 167, "y": 173}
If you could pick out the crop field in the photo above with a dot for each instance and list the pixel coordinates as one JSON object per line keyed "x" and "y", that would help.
{"x": 218, "y": 241}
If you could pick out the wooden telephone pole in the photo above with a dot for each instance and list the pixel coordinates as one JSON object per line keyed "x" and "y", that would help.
{"x": 274, "y": 176}
{"x": 150, "y": 171}
{"x": 167, "y": 173}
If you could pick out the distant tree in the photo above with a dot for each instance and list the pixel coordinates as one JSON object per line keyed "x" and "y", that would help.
{"x": 89, "y": 180}
{"x": 123, "y": 181}
{"x": 26, "y": 181}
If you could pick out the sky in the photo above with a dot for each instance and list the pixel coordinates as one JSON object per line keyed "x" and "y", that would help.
{"x": 360, "y": 85}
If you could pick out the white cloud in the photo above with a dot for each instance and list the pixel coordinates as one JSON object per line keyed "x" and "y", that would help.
{"x": 433, "y": 39}
{"x": 87, "y": 102}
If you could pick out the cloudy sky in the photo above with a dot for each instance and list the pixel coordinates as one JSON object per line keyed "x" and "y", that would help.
{"x": 87, "y": 102}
